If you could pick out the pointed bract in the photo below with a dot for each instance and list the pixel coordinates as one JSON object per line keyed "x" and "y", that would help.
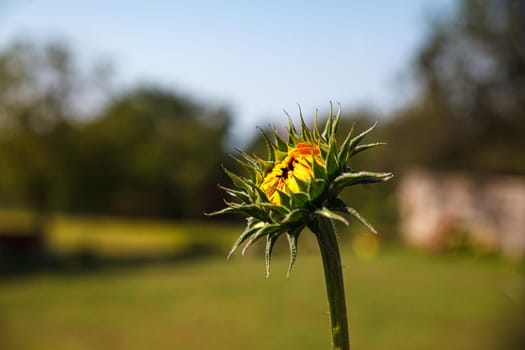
{"x": 270, "y": 242}
{"x": 292, "y": 242}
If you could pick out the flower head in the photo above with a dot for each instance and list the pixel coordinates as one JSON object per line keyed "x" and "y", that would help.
{"x": 285, "y": 174}
{"x": 299, "y": 182}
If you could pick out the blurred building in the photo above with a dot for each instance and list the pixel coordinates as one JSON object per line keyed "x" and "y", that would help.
{"x": 455, "y": 210}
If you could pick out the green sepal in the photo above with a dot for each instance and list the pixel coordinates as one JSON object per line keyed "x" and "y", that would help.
{"x": 324, "y": 148}
{"x": 357, "y": 178}
{"x": 328, "y": 126}
{"x": 227, "y": 210}
{"x": 342, "y": 207}
{"x": 279, "y": 142}
{"x": 278, "y": 209}
{"x": 299, "y": 200}
{"x": 303, "y": 185}
{"x": 262, "y": 195}
{"x": 266, "y": 229}
{"x": 293, "y": 135}
{"x": 250, "y": 229}
{"x": 362, "y": 148}
{"x": 336, "y": 122}
{"x": 269, "y": 145}
{"x": 355, "y": 141}
{"x": 265, "y": 165}
{"x": 251, "y": 161}
{"x": 270, "y": 242}
{"x": 286, "y": 199}
{"x": 327, "y": 213}
{"x": 316, "y": 133}
{"x": 280, "y": 155}
{"x": 294, "y": 216}
{"x": 332, "y": 163}
{"x": 318, "y": 170}
{"x": 316, "y": 188}
{"x": 345, "y": 148}
{"x": 292, "y": 242}
{"x": 239, "y": 182}
{"x": 254, "y": 210}
{"x": 291, "y": 126}
{"x": 252, "y": 171}
{"x": 236, "y": 194}
{"x": 307, "y": 134}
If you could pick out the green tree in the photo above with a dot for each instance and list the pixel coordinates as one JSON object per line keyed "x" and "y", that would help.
{"x": 471, "y": 110}
{"x": 151, "y": 152}
{"x": 37, "y": 85}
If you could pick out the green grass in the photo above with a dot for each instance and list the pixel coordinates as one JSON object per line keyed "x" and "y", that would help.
{"x": 397, "y": 300}
{"x": 114, "y": 237}
{"x": 120, "y": 237}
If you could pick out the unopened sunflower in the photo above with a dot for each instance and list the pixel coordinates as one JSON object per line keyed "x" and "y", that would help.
{"x": 298, "y": 183}
{"x": 298, "y": 186}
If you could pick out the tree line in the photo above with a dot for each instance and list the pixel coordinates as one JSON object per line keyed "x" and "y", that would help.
{"x": 149, "y": 151}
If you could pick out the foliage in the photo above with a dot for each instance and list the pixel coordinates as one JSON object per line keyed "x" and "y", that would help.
{"x": 470, "y": 113}
{"x": 149, "y": 152}
{"x": 159, "y": 152}
{"x": 36, "y": 94}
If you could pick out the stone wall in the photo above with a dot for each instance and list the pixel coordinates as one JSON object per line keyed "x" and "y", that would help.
{"x": 488, "y": 213}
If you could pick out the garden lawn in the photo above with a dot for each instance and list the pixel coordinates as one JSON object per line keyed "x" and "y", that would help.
{"x": 397, "y": 300}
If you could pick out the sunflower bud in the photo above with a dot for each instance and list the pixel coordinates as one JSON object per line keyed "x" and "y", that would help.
{"x": 292, "y": 173}
{"x": 298, "y": 183}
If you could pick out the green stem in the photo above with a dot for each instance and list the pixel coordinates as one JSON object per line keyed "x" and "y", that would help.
{"x": 325, "y": 232}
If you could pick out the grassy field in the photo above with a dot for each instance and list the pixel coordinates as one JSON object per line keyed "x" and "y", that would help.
{"x": 398, "y": 300}
{"x": 114, "y": 237}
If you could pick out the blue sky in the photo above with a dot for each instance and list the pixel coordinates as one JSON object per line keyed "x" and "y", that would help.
{"x": 257, "y": 57}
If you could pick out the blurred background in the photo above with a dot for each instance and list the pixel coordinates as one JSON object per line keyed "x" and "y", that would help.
{"x": 115, "y": 119}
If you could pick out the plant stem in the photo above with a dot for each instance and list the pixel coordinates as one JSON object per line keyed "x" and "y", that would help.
{"x": 325, "y": 232}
